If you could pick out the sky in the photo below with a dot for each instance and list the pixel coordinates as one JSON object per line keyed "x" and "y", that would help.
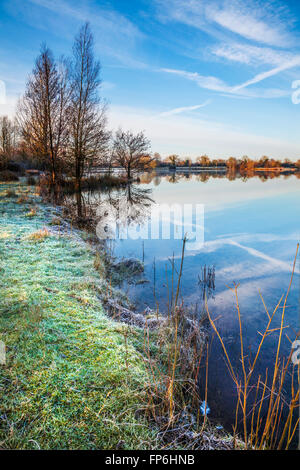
{"x": 214, "y": 77}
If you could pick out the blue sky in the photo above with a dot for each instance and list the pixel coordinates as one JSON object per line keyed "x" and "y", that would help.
{"x": 197, "y": 76}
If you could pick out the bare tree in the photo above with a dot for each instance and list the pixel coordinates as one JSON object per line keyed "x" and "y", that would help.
{"x": 42, "y": 112}
{"x": 88, "y": 135}
{"x": 157, "y": 159}
{"x": 107, "y": 161}
{"x": 7, "y": 139}
{"x": 131, "y": 151}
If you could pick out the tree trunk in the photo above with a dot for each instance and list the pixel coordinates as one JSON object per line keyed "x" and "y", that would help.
{"x": 53, "y": 186}
{"x": 78, "y": 194}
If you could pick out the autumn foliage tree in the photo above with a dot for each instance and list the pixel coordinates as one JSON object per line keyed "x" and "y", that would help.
{"x": 203, "y": 160}
{"x": 173, "y": 160}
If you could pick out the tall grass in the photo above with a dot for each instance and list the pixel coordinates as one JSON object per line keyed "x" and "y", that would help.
{"x": 174, "y": 369}
{"x": 276, "y": 428}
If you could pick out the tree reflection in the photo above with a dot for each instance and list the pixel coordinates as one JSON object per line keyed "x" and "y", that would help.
{"x": 122, "y": 209}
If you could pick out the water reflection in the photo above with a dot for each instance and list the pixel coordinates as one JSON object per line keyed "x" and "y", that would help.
{"x": 203, "y": 176}
{"x": 118, "y": 211}
{"x": 251, "y": 232}
{"x": 207, "y": 282}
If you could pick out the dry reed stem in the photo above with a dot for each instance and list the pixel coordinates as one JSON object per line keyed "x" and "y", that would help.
{"x": 275, "y": 399}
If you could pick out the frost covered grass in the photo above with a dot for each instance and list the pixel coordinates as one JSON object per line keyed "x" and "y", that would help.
{"x": 70, "y": 380}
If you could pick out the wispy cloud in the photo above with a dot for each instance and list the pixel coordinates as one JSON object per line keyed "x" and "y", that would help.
{"x": 295, "y": 62}
{"x": 218, "y": 85}
{"x": 249, "y": 54}
{"x": 116, "y": 36}
{"x": 109, "y": 19}
{"x": 283, "y": 265}
{"x": 207, "y": 82}
{"x": 250, "y": 20}
{"x": 184, "y": 109}
{"x": 263, "y": 22}
{"x": 268, "y": 23}
{"x": 274, "y": 263}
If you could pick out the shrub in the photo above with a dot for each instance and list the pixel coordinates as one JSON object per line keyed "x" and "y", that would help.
{"x": 7, "y": 175}
{"x": 15, "y": 167}
{"x": 55, "y": 221}
{"x": 31, "y": 213}
{"x": 10, "y": 193}
{"x": 22, "y": 199}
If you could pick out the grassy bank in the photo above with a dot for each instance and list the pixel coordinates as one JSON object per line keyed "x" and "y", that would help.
{"x": 70, "y": 379}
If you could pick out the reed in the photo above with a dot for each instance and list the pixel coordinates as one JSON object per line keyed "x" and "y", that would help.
{"x": 173, "y": 393}
{"x": 263, "y": 415}
{"x": 278, "y": 427}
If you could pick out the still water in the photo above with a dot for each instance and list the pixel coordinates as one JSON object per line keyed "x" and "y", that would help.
{"x": 251, "y": 230}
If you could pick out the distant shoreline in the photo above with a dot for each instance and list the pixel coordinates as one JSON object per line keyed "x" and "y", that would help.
{"x": 194, "y": 169}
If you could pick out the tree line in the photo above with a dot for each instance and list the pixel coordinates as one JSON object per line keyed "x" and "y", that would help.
{"x": 242, "y": 165}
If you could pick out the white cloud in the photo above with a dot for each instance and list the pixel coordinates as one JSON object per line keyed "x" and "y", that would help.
{"x": 85, "y": 11}
{"x": 295, "y": 62}
{"x": 240, "y": 18}
{"x": 8, "y": 107}
{"x": 220, "y": 242}
{"x": 246, "y": 270}
{"x": 246, "y": 291}
{"x": 264, "y": 22}
{"x": 277, "y": 263}
{"x": 218, "y": 85}
{"x": 250, "y": 55}
{"x": 115, "y": 36}
{"x": 207, "y": 82}
{"x": 184, "y": 109}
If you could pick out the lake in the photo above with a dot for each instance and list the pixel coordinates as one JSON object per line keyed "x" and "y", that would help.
{"x": 251, "y": 229}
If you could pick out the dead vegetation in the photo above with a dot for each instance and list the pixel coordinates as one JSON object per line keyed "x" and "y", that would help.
{"x": 39, "y": 235}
